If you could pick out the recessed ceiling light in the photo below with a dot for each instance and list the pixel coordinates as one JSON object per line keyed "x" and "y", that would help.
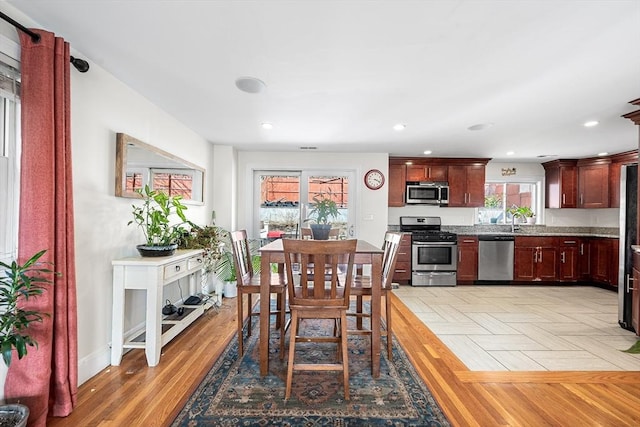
{"x": 250, "y": 84}
{"x": 309, "y": 148}
{"x": 604, "y": 153}
{"x": 267, "y": 126}
{"x": 427, "y": 152}
{"x": 591, "y": 123}
{"x": 510, "y": 153}
{"x": 480, "y": 126}
{"x": 399, "y": 127}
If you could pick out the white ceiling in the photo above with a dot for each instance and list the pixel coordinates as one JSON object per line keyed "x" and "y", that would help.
{"x": 340, "y": 74}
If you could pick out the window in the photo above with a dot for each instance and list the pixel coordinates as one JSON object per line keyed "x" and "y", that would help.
{"x": 500, "y": 197}
{"x": 9, "y": 160}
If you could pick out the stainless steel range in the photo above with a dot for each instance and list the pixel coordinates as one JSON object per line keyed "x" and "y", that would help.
{"x": 434, "y": 253}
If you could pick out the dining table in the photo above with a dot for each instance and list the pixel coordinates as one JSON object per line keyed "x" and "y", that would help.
{"x": 366, "y": 254}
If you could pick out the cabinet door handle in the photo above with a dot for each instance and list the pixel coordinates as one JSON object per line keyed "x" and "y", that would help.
{"x": 535, "y": 256}
{"x": 563, "y": 199}
{"x": 569, "y": 242}
{"x": 581, "y": 248}
{"x": 468, "y": 241}
{"x": 459, "y": 255}
{"x": 581, "y": 199}
{"x": 630, "y": 279}
{"x": 540, "y": 255}
{"x": 562, "y": 257}
{"x": 428, "y": 172}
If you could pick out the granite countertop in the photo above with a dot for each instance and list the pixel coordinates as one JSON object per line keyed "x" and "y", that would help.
{"x": 528, "y": 230}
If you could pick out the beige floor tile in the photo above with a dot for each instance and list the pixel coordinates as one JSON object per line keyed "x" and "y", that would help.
{"x": 516, "y": 361}
{"x": 526, "y": 327}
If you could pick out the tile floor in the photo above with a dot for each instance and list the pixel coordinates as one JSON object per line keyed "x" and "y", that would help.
{"x": 526, "y": 328}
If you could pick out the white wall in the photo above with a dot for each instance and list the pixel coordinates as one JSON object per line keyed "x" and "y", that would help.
{"x": 101, "y": 106}
{"x": 371, "y": 206}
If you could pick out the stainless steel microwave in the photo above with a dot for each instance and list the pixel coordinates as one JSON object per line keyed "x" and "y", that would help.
{"x": 427, "y": 193}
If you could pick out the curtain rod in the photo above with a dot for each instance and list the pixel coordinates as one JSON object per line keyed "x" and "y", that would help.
{"x": 80, "y": 64}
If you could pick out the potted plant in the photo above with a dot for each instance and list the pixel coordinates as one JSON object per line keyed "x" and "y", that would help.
{"x": 19, "y": 281}
{"x": 322, "y": 209}
{"x": 524, "y": 212}
{"x": 210, "y": 239}
{"x": 153, "y": 217}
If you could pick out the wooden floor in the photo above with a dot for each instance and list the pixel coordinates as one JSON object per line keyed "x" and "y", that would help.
{"x": 133, "y": 394}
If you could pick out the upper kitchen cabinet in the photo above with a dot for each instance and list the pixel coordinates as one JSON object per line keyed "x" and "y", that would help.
{"x": 427, "y": 173}
{"x": 397, "y": 184}
{"x": 593, "y": 183}
{"x": 465, "y": 178}
{"x": 617, "y": 161}
{"x": 466, "y": 185}
{"x": 561, "y": 177}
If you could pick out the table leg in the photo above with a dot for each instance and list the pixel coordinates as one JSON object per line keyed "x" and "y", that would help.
{"x": 117, "y": 327}
{"x": 376, "y": 303}
{"x": 153, "y": 339}
{"x": 265, "y": 300}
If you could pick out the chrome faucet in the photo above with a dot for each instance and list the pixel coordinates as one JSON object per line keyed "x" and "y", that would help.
{"x": 513, "y": 223}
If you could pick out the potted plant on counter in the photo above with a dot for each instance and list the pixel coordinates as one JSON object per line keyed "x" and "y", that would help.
{"x": 154, "y": 218}
{"x": 17, "y": 282}
{"x": 524, "y": 212}
{"x": 322, "y": 208}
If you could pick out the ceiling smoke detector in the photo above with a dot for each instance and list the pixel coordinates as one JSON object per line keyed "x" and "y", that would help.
{"x": 250, "y": 84}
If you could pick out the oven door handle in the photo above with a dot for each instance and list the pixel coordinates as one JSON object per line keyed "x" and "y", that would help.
{"x": 434, "y": 243}
{"x": 434, "y": 273}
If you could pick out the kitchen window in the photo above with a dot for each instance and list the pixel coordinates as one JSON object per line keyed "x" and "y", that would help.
{"x": 500, "y": 197}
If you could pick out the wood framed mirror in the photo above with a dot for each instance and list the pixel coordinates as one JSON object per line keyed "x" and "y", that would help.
{"x": 138, "y": 164}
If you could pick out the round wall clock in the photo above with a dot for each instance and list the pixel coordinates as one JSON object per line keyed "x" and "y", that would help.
{"x": 374, "y": 179}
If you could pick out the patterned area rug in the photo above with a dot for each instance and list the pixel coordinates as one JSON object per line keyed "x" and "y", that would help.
{"x": 234, "y": 394}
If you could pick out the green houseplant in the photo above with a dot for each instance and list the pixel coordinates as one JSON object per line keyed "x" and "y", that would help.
{"x": 17, "y": 282}
{"x": 524, "y": 212}
{"x": 322, "y": 208}
{"x": 154, "y": 218}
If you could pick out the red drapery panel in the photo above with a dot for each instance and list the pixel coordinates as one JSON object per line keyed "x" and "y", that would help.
{"x": 47, "y": 379}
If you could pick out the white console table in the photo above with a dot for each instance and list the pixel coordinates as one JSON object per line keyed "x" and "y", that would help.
{"x": 151, "y": 274}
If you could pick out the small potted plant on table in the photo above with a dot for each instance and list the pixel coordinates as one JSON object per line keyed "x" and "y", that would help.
{"x": 322, "y": 209}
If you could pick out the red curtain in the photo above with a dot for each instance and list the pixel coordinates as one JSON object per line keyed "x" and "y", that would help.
{"x": 46, "y": 380}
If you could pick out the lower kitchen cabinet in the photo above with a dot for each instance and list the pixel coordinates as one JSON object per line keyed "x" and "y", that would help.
{"x": 635, "y": 294}
{"x": 569, "y": 259}
{"x": 467, "y": 259}
{"x": 402, "y": 272}
{"x": 604, "y": 260}
{"x": 536, "y": 259}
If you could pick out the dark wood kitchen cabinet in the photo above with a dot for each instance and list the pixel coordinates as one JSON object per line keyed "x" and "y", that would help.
{"x": 569, "y": 259}
{"x": 561, "y": 182}
{"x": 617, "y": 161}
{"x": 466, "y": 186}
{"x": 593, "y": 183}
{"x": 397, "y": 184}
{"x": 402, "y": 273}
{"x": 536, "y": 259}
{"x": 604, "y": 260}
{"x": 635, "y": 294}
{"x": 467, "y": 259}
{"x": 584, "y": 260}
{"x": 430, "y": 172}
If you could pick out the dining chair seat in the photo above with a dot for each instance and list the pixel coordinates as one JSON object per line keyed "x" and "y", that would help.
{"x": 361, "y": 288}
{"x": 249, "y": 284}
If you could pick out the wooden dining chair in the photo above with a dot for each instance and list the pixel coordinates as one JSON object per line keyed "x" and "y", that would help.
{"x": 361, "y": 287}
{"x": 249, "y": 284}
{"x": 318, "y": 298}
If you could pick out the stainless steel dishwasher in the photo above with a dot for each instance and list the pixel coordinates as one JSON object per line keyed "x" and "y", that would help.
{"x": 495, "y": 257}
